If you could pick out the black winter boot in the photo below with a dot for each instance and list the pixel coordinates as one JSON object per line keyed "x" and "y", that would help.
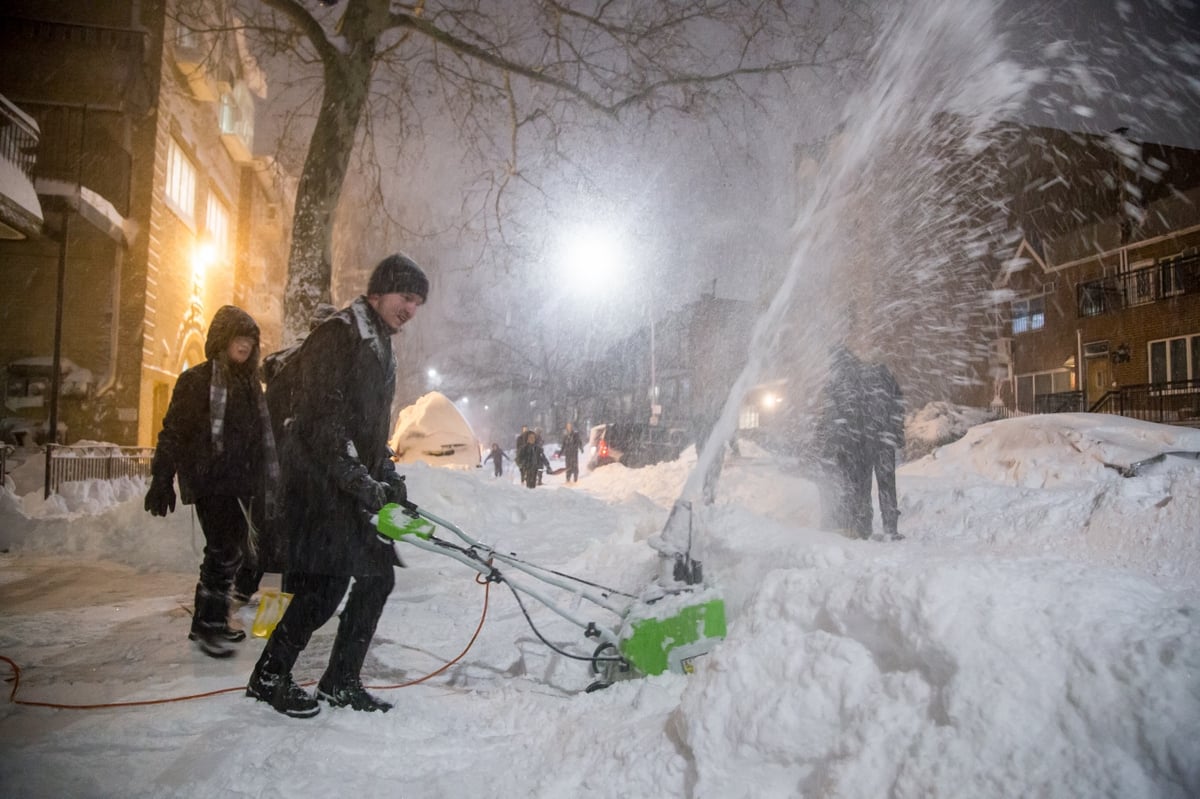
{"x": 210, "y": 623}
{"x": 213, "y": 641}
{"x": 281, "y": 692}
{"x": 350, "y": 694}
{"x": 226, "y": 633}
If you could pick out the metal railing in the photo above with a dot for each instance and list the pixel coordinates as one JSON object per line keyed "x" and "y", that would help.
{"x": 5, "y": 451}
{"x": 73, "y": 463}
{"x": 18, "y": 139}
{"x": 1169, "y": 277}
{"x": 1175, "y": 403}
{"x": 1060, "y": 402}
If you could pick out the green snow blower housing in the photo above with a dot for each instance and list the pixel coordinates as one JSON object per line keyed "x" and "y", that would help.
{"x": 667, "y": 633}
{"x": 675, "y": 642}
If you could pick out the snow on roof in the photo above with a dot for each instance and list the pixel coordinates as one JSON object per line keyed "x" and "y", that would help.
{"x": 15, "y": 185}
{"x": 91, "y": 206}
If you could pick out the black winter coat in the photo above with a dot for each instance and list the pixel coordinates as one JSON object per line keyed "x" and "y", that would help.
{"x": 572, "y": 445}
{"x": 884, "y": 407}
{"x": 841, "y": 433}
{"x": 346, "y": 380}
{"x": 185, "y": 445}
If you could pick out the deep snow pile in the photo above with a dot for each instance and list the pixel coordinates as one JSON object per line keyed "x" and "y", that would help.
{"x": 1034, "y": 635}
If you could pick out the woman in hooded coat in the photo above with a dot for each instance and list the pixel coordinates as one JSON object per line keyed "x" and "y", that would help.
{"x": 216, "y": 436}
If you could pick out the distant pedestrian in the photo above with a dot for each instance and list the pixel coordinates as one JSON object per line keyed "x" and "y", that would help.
{"x": 497, "y": 456}
{"x": 572, "y": 445}
{"x": 840, "y": 445}
{"x": 529, "y": 458}
{"x": 217, "y": 437}
{"x": 883, "y": 436}
{"x": 520, "y": 442}
{"x": 543, "y": 463}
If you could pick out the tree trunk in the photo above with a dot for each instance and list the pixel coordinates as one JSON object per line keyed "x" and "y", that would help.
{"x": 310, "y": 268}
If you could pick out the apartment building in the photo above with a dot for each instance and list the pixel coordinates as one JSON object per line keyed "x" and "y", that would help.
{"x": 154, "y": 202}
{"x": 1104, "y": 308}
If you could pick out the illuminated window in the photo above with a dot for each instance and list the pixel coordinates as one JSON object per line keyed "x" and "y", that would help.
{"x": 216, "y": 226}
{"x": 181, "y": 182}
{"x": 1028, "y": 315}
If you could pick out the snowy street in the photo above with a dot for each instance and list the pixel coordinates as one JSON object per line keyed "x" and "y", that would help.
{"x": 1035, "y": 634}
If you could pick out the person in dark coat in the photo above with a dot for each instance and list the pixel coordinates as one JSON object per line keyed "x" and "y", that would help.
{"x": 338, "y": 472}
{"x": 529, "y": 459}
{"x": 841, "y": 446}
{"x": 217, "y": 437}
{"x": 520, "y": 442}
{"x": 268, "y": 554}
{"x": 884, "y": 434}
{"x": 543, "y": 463}
{"x": 572, "y": 445}
{"x": 497, "y": 457}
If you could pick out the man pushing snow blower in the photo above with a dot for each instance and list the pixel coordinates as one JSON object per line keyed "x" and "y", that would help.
{"x": 336, "y": 465}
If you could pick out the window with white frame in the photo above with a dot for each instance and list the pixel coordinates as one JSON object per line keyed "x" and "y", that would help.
{"x": 1029, "y": 314}
{"x": 181, "y": 181}
{"x": 1036, "y": 384}
{"x": 1175, "y": 359}
{"x": 216, "y": 226}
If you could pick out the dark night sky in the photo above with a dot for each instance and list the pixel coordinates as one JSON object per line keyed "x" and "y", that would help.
{"x": 1143, "y": 54}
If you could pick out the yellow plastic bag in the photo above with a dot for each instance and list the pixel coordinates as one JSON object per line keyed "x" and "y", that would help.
{"x": 271, "y": 605}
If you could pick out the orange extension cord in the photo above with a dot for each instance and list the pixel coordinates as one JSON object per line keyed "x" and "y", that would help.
{"x": 16, "y": 678}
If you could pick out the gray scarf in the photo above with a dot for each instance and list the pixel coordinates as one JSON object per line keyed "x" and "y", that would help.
{"x": 218, "y": 398}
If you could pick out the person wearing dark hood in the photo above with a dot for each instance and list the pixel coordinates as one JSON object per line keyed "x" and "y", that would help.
{"x": 267, "y": 554}
{"x": 338, "y": 471}
{"x": 216, "y": 436}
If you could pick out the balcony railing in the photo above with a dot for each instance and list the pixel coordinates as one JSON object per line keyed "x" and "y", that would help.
{"x": 18, "y": 138}
{"x": 1166, "y": 403}
{"x": 1167, "y": 278}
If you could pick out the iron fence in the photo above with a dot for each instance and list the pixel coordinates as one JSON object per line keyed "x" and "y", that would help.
{"x": 1167, "y": 403}
{"x": 5, "y": 451}
{"x": 1167, "y": 278}
{"x": 96, "y": 462}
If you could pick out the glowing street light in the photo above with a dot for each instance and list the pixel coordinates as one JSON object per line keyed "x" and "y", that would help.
{"x": 204, "y": 255}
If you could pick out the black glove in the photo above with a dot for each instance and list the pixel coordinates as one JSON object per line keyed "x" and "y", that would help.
{"x": 397, "y": 491}
{"x": 371, "y": 494}
{"x": 160, "y": 499}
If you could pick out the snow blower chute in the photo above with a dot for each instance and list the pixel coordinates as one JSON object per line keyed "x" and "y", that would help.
{"x": 659, "y": 631}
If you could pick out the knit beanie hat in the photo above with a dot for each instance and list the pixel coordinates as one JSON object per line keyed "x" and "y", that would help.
{"x": 397, "y": 274}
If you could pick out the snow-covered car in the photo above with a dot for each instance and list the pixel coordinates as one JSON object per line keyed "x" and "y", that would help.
{"x": 634, "y": 444}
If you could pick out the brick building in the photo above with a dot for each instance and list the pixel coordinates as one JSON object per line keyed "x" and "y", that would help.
{"x": 1104, "y": 309}
{"x": 153, "y": 200}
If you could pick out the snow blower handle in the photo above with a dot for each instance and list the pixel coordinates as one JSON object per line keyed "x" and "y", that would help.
{"x": 394, "y": 521}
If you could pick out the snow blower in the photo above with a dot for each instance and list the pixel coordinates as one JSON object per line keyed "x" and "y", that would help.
{"x": 659, "y": 631}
